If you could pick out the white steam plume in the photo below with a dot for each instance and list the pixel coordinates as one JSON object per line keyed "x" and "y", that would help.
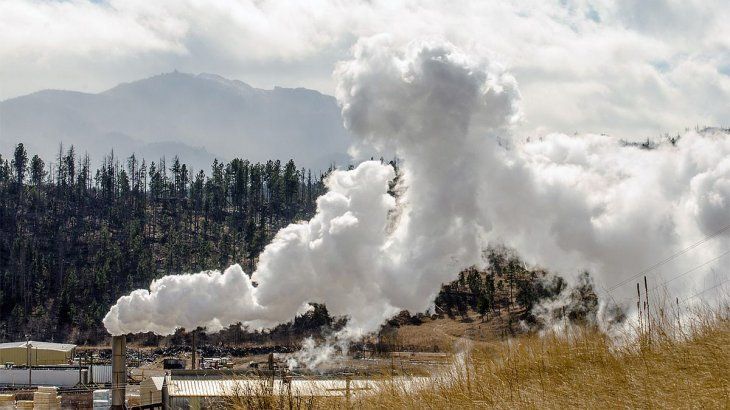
{"x": 566, "y": 202}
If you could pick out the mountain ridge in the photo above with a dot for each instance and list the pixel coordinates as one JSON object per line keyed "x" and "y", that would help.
{"x": 207, "y": 114}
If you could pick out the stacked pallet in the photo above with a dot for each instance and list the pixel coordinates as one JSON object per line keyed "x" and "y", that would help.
{"x": 46, "y": 398}
{"x": 24, "y": 404}
{"x": 133, "y": 400}
{"x": 7, "y": 401}
{"x": 47, "y": 389}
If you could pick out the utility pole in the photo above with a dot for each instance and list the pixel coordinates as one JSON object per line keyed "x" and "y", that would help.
{"x": 348, "y": 379}
{"x": 271, "y": 371}
{"x": 27, "y": 361}
{"x": 91, "y": 367}
{"x": 194, "y": 364}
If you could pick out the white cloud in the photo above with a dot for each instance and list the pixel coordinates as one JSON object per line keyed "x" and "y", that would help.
{"x": 564, "y": 202}
{"x": 630, "y": 68}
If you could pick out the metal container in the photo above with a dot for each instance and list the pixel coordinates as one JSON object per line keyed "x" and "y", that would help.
{"x": 170, "y": 364}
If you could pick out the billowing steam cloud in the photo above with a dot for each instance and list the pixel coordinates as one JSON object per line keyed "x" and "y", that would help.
{"x": 566, "y": 202}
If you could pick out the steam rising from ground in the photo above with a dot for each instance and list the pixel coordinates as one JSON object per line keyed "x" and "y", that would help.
{"x": 565, "y": 202}
{"x": 312, "y": 354}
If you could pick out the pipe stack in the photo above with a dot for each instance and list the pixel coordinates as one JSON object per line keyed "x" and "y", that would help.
{"x": 119, "y": 371}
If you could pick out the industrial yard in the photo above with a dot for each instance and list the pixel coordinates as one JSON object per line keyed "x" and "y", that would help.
{"x": 414, "y": 361}
{"x": 561, "y": 369}
{"x": 66, "y": 376}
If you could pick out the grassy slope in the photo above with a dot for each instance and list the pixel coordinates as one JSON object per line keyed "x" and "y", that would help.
{"x": 584, "y": 370}
{"x": 440, "y": 334}
{"x": 674, "y": 368}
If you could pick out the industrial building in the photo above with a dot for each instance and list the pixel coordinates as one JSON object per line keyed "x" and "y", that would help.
{"x": 215, "y": 388}
{"x": 195, "y": 393}
{"x": 37, "y": 353}
{"x": 50, "y": 365}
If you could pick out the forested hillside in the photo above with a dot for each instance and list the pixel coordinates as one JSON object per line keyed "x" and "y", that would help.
{"x": 73, "y": 239}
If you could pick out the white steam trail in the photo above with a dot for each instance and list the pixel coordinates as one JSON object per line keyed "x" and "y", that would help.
{"x": 565, "y": 202}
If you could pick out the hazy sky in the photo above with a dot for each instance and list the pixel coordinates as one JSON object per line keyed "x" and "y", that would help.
{"x": 628, "y": 68}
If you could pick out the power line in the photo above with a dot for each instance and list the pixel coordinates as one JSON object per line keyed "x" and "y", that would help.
{"x": 692, "y": 270}
{"x": 706, "y": 290}
{"x": 669, "y": 258}
{"x": 685, "y": 273}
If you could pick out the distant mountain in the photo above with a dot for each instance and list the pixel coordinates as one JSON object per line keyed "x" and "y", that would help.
{"x": 198, "y": 117}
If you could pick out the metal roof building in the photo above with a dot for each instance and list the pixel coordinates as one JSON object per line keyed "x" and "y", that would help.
{"x": 38, "y": 353}
{"x": 212, "y": 393}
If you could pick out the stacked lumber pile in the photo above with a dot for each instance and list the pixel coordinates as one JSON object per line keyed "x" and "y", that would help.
{"x": 133, "y": 400}
{"x": 46, "y": 398}
{"x": 7, "y": 401}
{"x": 24, "y": 404}
{"x": 77, "y": 400}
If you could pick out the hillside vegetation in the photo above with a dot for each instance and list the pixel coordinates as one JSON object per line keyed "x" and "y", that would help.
{"x": 73, "y": 239}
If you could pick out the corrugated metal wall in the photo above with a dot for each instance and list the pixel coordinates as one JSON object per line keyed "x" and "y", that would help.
{"x": 40, "y": 377}
{"x": 66, "y": 377}
{"x": 101, "y": 373}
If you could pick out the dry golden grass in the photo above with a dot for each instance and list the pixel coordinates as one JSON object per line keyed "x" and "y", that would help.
{"x": 674, "y": 367}
{"x": 441, "y": 334}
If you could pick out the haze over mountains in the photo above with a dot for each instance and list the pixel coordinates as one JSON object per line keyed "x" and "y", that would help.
{"x": 198, "y": 117}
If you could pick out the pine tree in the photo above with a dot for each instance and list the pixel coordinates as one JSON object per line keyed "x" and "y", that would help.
{"x": 37, "y": 170}
{"x": 20, "y": 163}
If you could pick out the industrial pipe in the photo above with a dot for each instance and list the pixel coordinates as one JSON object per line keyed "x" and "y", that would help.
{"x": 165, "y": 394}
{"x": 119, "y": 371}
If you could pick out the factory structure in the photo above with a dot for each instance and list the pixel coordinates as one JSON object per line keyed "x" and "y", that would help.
{"x": 33, "y": 364}
{"x": 39, "y": 375}
{"x": 212, "y": 388}
{"x": 43, "y": 375}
